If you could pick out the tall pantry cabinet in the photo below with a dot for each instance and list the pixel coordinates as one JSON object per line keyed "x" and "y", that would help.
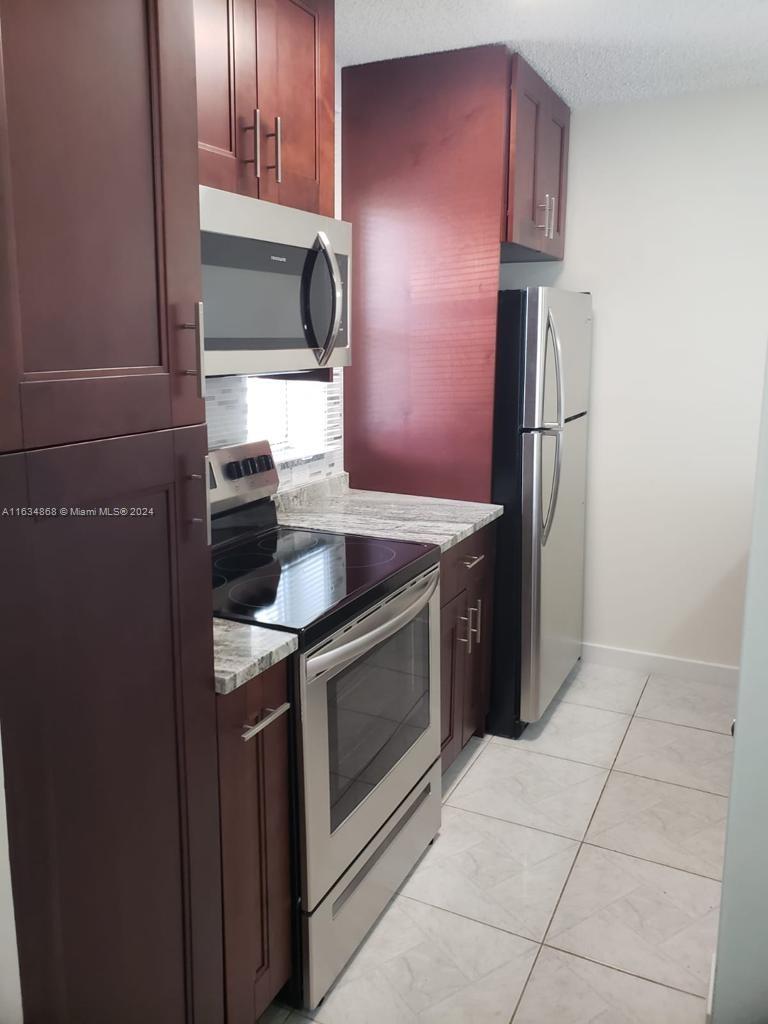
{"x": 107, "y": 700}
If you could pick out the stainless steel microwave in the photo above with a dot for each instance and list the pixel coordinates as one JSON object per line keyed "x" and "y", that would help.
{"x": 275, "y": 286}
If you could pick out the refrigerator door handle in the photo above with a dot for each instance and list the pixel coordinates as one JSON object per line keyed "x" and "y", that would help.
{"x": 559, "y": 378}
{"x": 546, "y": 526}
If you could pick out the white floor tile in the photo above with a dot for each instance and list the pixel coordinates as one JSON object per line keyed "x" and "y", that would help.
{"x": 461, "y": 764}
{"x": 493, "y": 871}
{"x": 702, "y": 705}
{"x": 509, "y": 782}
{"x": 565, "y": 989}
{"x": 683, "y": 828}
{"x": 676, "y": 753}
{"x": 443, "y": 969}
{"x": 656, "y": 922}
{"x": 577, "y": 733}
{"x": 601, "y": 686}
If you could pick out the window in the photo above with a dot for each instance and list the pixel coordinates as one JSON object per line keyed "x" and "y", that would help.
{"x": 302, "y": 420}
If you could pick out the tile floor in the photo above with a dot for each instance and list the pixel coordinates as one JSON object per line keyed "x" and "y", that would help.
{"x": 576, "y": 875}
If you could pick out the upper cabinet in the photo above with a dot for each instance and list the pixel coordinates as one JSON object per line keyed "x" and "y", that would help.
{"x": 265, "y": 88}
{"x": 99, "y": 236}
{"x": 539, "y": 124}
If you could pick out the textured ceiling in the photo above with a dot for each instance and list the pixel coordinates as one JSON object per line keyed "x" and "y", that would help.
{"x": 591, "y": 51}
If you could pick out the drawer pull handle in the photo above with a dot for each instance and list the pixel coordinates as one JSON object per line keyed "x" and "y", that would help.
{"x": 272, "y": 715}
{"x": 471, "y": 562}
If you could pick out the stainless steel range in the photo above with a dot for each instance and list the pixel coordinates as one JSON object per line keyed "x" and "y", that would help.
{"x": 367, "y": 615}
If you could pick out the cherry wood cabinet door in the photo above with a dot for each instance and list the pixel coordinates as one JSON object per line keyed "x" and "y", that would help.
{"x": 225, "y": 49}
{"x": 99, "y": 216}
{"x": 453, "y": 676}
{"x": 538, "y": 163}
{"x": 295, "y": 60}
{"x": 553, "y": 159}
{"x": 254, "y": 780}
{"x": 109, "y": 732}
{"x": 478, "y": 682}
{"x": 526, "y": 206}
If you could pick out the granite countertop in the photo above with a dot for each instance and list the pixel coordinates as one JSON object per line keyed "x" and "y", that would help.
{"x": 332, "y": 506}
{"x": 241, "y": 652}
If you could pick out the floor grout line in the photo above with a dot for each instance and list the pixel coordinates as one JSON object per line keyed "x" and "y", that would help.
{"x": 592, "y": 815}
{"x": 648, "y": 860}
{"x": 525, "y": 983}
{"x": 666, "y": 782}
{"x": 518, "y": 824}
{"x": 466, "y": 917}
{"x": 621, "y": 970}
{"x": 682, "y": 725}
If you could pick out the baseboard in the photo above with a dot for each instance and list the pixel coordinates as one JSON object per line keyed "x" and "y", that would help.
{"x": 645, "y": 661}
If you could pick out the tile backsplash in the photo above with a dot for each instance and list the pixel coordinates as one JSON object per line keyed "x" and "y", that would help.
{"x": 226, "y": 407}
{"x": 226, "y": 410}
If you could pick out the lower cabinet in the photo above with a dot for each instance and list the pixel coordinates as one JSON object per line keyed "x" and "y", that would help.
{"x": 108, "y": 718}
{"x": 254, "y": 793}
{"x": 467, "y": 578}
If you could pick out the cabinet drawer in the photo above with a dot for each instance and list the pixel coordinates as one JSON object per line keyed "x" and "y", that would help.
{"x": 462, "y": 563}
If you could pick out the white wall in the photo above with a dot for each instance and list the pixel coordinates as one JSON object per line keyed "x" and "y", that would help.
{"x": 741, "y": 981}
{"x": 668, "y": 228}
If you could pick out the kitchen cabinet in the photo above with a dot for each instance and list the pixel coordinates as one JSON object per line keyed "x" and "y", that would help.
{"x": 109, "y": 731}
{"x": 99, "y": 233}
{"x": 466, "y": 596}
{"x": 539, "y": 128}
{"x": 453, "y": 674}
{"x": 265, "y": 88}
{"x": 254, "y": 784}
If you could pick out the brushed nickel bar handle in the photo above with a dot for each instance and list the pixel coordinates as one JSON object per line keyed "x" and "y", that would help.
{"x": 273, "y": 714}
{"x": 545, "y": 207}
{"x": 552, "y": 217}
{"x": 479, "y": 630}
{"x": 207, "y": 518}
{"x": 256, "y": 129}
{"x": 199, "y": 328}
{"x": 468, "y": 638}
{"x": 277, "y": 135}
{"x": 472, "y": 561}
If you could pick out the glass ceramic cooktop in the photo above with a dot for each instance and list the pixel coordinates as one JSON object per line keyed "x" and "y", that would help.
{"x": 289, "y": 577}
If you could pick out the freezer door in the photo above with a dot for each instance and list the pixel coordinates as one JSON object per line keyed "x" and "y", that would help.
{"x": 553, "y": 518}
{"x": 558, "y": 356}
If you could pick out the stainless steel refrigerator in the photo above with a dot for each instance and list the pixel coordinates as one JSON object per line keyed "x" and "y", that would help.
{"x": 541, "y": 422}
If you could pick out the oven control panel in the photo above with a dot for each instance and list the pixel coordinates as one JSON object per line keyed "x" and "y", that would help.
{"x": 241, "y": 474}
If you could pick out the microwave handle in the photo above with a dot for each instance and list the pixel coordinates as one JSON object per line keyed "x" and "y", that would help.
{"x": 337, "y": 297}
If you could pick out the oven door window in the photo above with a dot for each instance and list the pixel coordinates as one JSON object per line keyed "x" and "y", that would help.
{"x": 378, "y": 707}
{"x": 265, "y": 296}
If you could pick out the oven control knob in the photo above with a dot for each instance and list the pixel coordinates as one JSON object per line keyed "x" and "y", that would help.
{"x": 234, "y": 470}
{"x": 265, "y": 463}
{"x": 250, "y": 466}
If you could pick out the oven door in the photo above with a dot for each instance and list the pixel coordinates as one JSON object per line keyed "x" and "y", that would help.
{"x": 370, "y": 727}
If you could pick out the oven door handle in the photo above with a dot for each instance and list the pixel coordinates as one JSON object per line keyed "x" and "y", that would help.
{"x": 342, "y": 655}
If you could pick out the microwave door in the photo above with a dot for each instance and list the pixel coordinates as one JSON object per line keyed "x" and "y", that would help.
{"x": 322, "y": 297}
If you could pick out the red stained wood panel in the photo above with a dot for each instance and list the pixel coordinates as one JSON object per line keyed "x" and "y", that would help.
{"x": 109, "y": 741}
{"x": 99, "y": 206}
{"x": 424, "y": 177}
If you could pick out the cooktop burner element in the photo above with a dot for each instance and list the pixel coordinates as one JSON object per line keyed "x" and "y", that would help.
{"x": 292, "y": 578}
